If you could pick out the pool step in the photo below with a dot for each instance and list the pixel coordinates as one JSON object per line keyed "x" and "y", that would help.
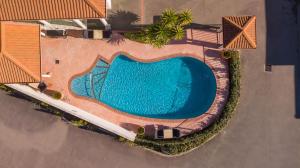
{"x": 97, "y": 80}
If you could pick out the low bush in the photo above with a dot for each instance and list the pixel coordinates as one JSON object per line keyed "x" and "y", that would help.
{"x": 54, "y": 94}
{"x": 135, "y": 36}
{"x": 184, "y": 144}
{"x": 5, "y": 88}
{"x": 170, "y": 27}
{"x": 227, "y": 54}
{"x": 141, "y": 132}
{"x": 79, "y": 123}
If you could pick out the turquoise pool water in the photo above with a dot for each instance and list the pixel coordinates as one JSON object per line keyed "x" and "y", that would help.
{"x": 176, "y": 88}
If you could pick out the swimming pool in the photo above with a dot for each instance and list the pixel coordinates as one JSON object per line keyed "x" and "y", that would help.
{"x": 175, "y": 88}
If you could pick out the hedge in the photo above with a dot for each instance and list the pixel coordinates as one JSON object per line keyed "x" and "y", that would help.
{"x": 227, "y": 54}
{"x": 187, "y": 143}
{"x": 53, "y": 93}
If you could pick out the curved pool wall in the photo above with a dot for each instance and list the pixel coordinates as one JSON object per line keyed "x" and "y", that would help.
{"x": 175, "y": 88}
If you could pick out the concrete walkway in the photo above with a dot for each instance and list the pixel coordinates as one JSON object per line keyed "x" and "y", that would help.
{"x": 263, "y": 134}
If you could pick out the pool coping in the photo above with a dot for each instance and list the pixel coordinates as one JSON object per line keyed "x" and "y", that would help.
{"x": 203, "y": 117}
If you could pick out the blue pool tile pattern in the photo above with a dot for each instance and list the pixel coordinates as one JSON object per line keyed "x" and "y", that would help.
{"x": 175, "y": 88}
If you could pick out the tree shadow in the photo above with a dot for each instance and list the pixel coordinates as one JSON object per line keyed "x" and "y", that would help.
{"x": 123, "y": 20}
{"x": 116, "y": 39}
{"x": 282, "y": 38}
{"x": 120, "y": 20}
{"x": 19, "y": 95}
{"x": 212, "y": 53}
{"x": 44, "y": 110}
{"x": 99, "y": 130}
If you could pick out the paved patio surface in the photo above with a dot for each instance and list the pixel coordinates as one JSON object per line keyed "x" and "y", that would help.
{"x": 78, "y": 56}
{"x": 263, "y": 134}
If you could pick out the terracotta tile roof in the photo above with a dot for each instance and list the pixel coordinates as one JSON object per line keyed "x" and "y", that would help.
{"x": 11, "y": 10}
{"x": 239, "y": 31}
{"x": 20, "y": 58}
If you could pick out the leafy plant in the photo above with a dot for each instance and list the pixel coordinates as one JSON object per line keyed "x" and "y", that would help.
{"x": 227, "y": 54}
{"x": 54, "y": 94}
{"x": 5, "y": 88}
{"x": 79, "y": 123}
{"x": 121, "y": 139}
{"x": 141, "y": 132}
{"x": 170, "y": 27}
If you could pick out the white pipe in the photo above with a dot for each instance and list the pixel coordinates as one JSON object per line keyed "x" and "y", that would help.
{"x": 46, "y": 24}
{"x": 107, "y": 26}
{"x": 79, "y": 23}
{"x": 108, "y": 4}
{"x": 46, "y": 75}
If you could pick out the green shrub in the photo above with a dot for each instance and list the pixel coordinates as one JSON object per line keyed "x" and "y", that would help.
{"x": 170, "y": 27}
{"x": 141, "y": 132}
{"x": 227, "y": 54}
{"x": 135, "y": 36}
{"x": 54, "y": 94}
{"x": 57, "y": 113}
{"x": 184, "y": 144}
{"x": 5, "y": 88}
{"x": 121, "y": 139}
{"x": 79, "y": 123}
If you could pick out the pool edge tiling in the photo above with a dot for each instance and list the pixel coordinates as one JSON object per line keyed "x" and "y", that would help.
{"x": 181, "y": 87}
{"x": 78, "y": 55}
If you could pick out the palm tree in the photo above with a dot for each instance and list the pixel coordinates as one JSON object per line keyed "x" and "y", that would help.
{"x": 178, "y": 33}
{"x": 185, "y": 18}
{"x": 170, "y": 27}
{"x": 157, "y": 35}
{"x": 169, "y": 18}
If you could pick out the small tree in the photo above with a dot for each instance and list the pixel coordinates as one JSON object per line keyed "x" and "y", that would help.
{"x": 170, "y": 27}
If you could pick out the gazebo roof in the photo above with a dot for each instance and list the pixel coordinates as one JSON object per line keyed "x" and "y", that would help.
{"x": 239, "y": 32}
{"x": 20, "y": 58}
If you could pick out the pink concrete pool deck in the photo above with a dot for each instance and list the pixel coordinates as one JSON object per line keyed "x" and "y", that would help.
{"x": 77, "y": 56}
